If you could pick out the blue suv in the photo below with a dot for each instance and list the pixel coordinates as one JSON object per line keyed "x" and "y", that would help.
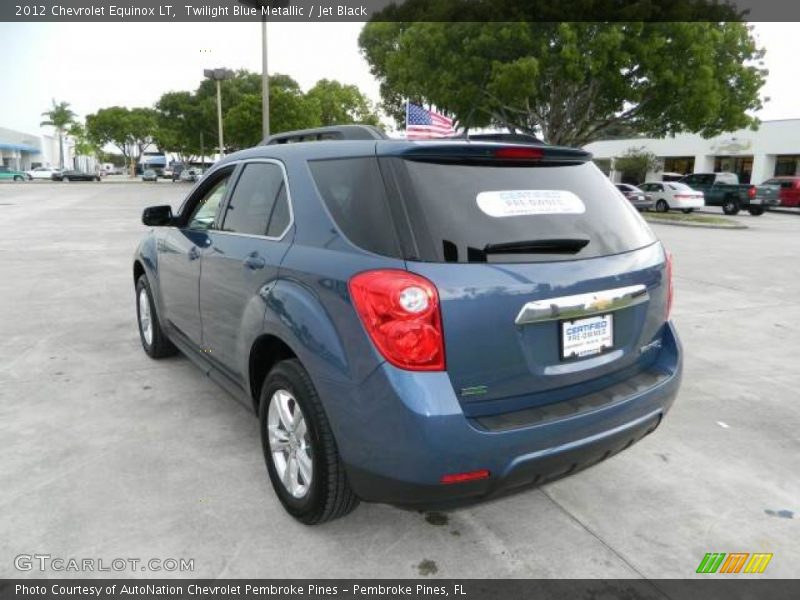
{"x": 416, "y": 323}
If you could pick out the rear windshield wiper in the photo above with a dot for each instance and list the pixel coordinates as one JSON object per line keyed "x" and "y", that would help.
{"x": 546, "y": 246}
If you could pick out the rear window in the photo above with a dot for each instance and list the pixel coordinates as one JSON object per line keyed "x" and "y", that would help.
{"x": 681, "y": 187}
{"x": 472, "y": 213}
{"x": 465, "y": 213}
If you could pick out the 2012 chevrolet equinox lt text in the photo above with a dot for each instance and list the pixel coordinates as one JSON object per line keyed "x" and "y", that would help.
{"x": 417, "y": 323}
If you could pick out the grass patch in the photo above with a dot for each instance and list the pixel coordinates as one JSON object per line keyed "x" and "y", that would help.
{"x": 691, "y": 219}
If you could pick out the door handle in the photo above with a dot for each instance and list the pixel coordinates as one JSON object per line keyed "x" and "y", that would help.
{"x": 194, "y": 253}
{"x": 254, "y": 261}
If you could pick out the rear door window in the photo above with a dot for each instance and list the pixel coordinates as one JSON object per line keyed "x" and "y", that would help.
{"x": 254, "y": 198}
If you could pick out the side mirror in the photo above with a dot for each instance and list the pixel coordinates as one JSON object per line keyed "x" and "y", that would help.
{"x": 157, "y": 216}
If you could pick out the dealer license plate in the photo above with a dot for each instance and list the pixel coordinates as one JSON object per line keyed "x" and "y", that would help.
{"x": 587, "y": 337}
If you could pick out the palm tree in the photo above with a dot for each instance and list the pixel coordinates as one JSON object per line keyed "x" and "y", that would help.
{"x": 59, "y": 117}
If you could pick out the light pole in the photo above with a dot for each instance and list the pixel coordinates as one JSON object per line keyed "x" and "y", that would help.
{"x": 264, "y": 80}
{"x": 219, "y": 75}
{"x": 260, "y": 4}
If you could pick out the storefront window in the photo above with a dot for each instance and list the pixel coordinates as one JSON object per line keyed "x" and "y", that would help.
{"x": 741, "y": 165}
{"x": 679, "y": 164}
{"x": 787, "y": 166}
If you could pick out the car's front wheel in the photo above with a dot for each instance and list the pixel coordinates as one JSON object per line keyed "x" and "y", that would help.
{"x": 19, "y": 178}
{"x": 756, "y": 211}
{"x": 155, "y": 343}
{"x": 303, "y": 462}
{"x": 687, "y": 211}
{"x": 662, "y": 206}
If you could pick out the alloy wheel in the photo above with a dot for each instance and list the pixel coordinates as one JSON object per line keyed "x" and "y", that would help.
{"x": 145, "y": 320}
{"x": 290, "y": 443}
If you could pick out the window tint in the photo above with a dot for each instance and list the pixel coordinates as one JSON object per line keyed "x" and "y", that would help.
{"x": 253, "y": 199}
{"x": 354, "y": 193}
{"x": 206, "y": 209}
{"x": 451, "y": 224}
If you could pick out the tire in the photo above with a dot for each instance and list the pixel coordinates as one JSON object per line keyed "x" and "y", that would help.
{"x": 97, "y": 179}
{"x": 326, "y": 494}
{"x": 730, "y": 206}
{"x": 756, "y": 211}
{"x": 662, "y": 206}
{"x": 65, "y": 180}
{"x": 18, "y": 178}
{"x": 687, "y": 211}
{"x": 156, "y": 344}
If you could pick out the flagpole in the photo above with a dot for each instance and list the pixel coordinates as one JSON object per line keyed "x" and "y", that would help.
{"x": 407, "y": 118}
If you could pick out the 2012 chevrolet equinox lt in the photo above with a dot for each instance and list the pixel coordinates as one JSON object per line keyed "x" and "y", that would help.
{"x": 417, "y": 323}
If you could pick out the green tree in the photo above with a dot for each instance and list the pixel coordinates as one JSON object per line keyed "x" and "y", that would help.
{"x": 570, "y": 83}
{"x": 635, "y": 164}
{"x": 84, "y": 145}
{"x": 59, "y": 117}
{"x": 131, "y": 130}
{"x": 179, "y": 125}
{"x": 341, "y": 103}
{"x": 289, "y": 109}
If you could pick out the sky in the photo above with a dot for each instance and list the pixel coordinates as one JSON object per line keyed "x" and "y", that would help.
{"x": 95, "y": 65}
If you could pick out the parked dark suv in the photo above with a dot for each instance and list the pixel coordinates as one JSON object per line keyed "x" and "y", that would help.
{"x": 418, "y": 323}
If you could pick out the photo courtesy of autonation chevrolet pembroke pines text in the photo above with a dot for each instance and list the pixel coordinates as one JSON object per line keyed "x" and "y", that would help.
{"x": 379, "y": 299}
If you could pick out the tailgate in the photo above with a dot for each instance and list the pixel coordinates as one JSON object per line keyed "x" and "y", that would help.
{"x": 767, "y": 194}
{"x": 504, "y": 338}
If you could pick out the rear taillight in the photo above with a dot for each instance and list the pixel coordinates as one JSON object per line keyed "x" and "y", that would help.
{"x": 670, "y": 289}
{"x": 751, "y": 191}
{"x": 400, "y": 311}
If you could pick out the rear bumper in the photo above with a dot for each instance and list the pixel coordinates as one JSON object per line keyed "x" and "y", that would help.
{"x": 399, "y": 432}
{"x": 765, "y": 201}
{"x": 687, "y": 203}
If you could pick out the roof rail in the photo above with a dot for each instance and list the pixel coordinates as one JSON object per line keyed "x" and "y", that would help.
{"x": 334, "y": 132}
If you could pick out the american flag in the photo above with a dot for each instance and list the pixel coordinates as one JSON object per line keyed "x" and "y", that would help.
{"x": 424, "y": 124}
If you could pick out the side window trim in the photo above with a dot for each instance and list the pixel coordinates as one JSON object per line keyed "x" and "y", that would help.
{"x": 232, "y": 188}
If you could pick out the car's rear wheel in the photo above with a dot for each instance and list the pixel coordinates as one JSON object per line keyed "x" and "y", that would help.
{"x": 303, "y": 462}
{"x": 730, "y": 206}
{"x": 756, "y": 211}
{"x": 19, "y": 178}
{"x": 154, "y": 341}
{"x": 687, "y": 211}
{"x": 662, "y": 206}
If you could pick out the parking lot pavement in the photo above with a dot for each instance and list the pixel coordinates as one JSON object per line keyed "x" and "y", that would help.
{"x": 107, "y": 454}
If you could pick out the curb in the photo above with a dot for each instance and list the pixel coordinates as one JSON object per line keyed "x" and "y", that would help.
{"x": 696, "y": 225}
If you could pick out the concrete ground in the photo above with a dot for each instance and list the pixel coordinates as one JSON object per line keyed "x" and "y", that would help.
{"x": 107, "y": 454}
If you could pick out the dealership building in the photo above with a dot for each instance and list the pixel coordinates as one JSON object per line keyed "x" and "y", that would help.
{"x": 755, "y": 155}
{"x": 23, "y": 151}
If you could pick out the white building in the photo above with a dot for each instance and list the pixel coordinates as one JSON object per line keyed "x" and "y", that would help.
{"x": 773, "y": 149}
{"x": 23, "y": 151}
{"x": 19, "y": 151}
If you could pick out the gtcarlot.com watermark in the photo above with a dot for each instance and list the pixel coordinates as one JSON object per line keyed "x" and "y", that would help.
{"x": 47, "y": 562}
